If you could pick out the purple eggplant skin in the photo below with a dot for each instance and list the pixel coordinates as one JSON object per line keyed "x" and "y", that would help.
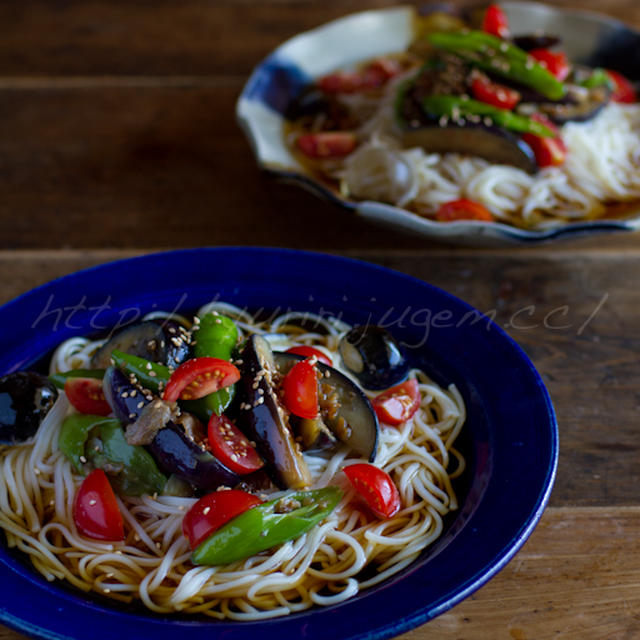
{"x": 124, "y": 398}
{"x": 355, "y": 410}
{"x": 177, "y": 454}
{"x": 171, "y": 448}
{"x": 166, "y": 343}
{"x": 25, "y": 399}
{"x": 262, "y": 418}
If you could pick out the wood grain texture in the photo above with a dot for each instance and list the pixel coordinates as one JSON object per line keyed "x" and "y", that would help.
{"x": 150, "y": 37}
{"x": 575, "y": 578}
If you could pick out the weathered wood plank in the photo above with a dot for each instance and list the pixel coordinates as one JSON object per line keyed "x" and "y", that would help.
{"x": 148, "y": 168}
{"x": 573, "y": 314}
{"x": 576, "y": 577}
{"x": 195, "y": 37}
{"x": 155, "y": 167}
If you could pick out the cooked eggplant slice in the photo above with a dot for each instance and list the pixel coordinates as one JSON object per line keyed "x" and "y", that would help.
{"x": 531, "y": 41}
{"x": 25, "y": 399}
{"x": 166, "y": 343}
{"x": 178, "y": 454}
{"x": 263, "y": 419}
{"x": 176, "y": 451}
{"x": 580, "y": 104}
{"x": 314, "y": 434}
{"x": 373, "y": 356}
{"x": 495, "y": 144}
{"x": 344, "y": 407}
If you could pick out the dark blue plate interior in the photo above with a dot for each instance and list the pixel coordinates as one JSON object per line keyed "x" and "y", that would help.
{"x": 510, "y": 440}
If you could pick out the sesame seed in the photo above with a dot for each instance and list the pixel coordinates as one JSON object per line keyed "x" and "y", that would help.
{"x": 132, "y": 415}
{"x": 133, "y": 394}
{"x": 124, "y": 394}
{"x": 107, "y": 590}
{"x": 92, "y": 503}
{"x": 140, "y": 404}
{"x": 148, "y": 365}
{"x": 206, "y": 510}
{"x": 83, "y": 459}
{"x": 152, "y": 374}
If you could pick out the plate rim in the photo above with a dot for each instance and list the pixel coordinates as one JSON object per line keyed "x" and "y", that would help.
{"x": 464, "y": 232}
{"x": 423, "y": 614}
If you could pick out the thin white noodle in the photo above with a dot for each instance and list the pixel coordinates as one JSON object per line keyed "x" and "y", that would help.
{"x": 320, "y": 568}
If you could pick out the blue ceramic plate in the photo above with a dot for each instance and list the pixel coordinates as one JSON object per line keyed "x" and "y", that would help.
{"x": 589, "y": 38}
{"x": 510, "y": 440}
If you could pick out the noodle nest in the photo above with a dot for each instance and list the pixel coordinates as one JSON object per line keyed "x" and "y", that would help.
{"x": 323, "y": 567}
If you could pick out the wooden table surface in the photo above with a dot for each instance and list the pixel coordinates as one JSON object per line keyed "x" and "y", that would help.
{"x": 117, "y": 136}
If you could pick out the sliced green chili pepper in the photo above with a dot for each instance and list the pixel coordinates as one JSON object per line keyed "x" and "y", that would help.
{"x": 497, "y": 56}
{"x": 109, "y": 450}
{"x": 262, "y": 527}
{"x": 155, "y": 376}
{"x": 598, "y": 78}
{"x": 74, "y": 434}
{"x": 455, "y": 106}
{"x": 60, "y": 378}
{"x": 99, "y": 442}
{"x": 216, "y": 337}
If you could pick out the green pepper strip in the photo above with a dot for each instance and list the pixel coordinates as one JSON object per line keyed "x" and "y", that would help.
{"x": 452, "y": 106}
{"x": 101, "y": 442}
{"x": 495, "y": 55}
{"x": 60, "y": 378}
{"x": 216, "y": 337}
{"x": 143, "y": 369}
{"x": 261, "y": 528}
{"x": 599, "y": 78}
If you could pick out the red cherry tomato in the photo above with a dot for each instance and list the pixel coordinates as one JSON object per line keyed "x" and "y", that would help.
{"x": 495, "y": 21}
{"x": 310, "y": 352}
{"x": 375, "y": 74}
{"x": 397, "y": 404}
{"x": 493, "y": 93}
{"x": 549, "y": 152}
{"x": 327, "y": 144}
{"x": 300, "y": 387}
{"x": 623, "y": 90}
{"x": 555, "y": 63}
{"x": 231, "y": 446}
{"x": 463, "y": 210}
{"x": 212, "y": 511}
{"x": 199, "y": 377}
{"x": 95, "y": 510}
{"x": 375, "y": 487}
{"x": 87, "y": 396}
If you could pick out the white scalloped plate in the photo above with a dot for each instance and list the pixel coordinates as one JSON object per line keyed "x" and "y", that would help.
{"x": 587, "y": 37}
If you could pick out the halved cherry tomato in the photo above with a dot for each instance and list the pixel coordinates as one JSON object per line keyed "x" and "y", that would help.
{"x": 327, "y": 144}
{"x": 549, "y": 152}
{"x": 87, "y": 396}
{"x": 95, "y": 509}
{"x": 199, "y": 377}
{"x": 555, "y": 63}
{"x": 231, "y": 446}
{"x": 623, "y": 90}
{"x": 495, "y": 21}
{"x": 212, "y": 511}
{"x": 375, "y": 74}
{"x": 376, "y": 487}
{"x": 493, "y": 93}
{"x": 397, "y": 404}
{"x": 463, "y": 209}
{"x": 300, "y": 387}
{"x": 310, "y": 352}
